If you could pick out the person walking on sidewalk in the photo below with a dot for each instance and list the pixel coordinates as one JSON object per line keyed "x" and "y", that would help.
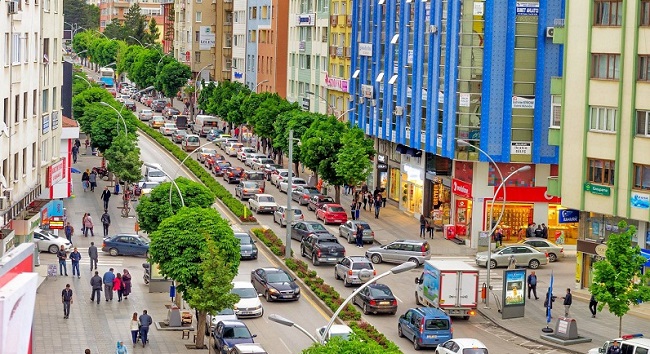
{"x": 108, "y": 279}
{"x": 135, "y": 328}
{"x": 92, "y": 179}
{"x": 75, "y": 152}
{"x": 62, "y": 255}
{"x": 118, "y": 286}
{"x": 121, "y": 349}
{"x": 106, "y": 221}
{"x": 423, "y": 226}
{"x": 568, "y": 300}
{"x": 126, "y": 280}
{"x": 69, "y": 231}
{"x": 532, "y": 284}
{"x": 106, "y": 195}
{"x": 92, "y": 254}
{"x": 66, "y": 299}
{"x": 593, "y": 303}
{"x": 377, "y": 206}
{"x": 84, "y": 179}
{"x": 96, "y": 286}
{"x": 75, "y": 256}
{"x": 353, "y": 210}
{"x": 88, "y": 226}
{"x": 145, "y": 322}
{"x": 359, "y": 235}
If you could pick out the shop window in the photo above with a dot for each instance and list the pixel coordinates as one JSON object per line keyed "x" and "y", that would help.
{"x": 556, "y": 111}
{"x": 643, "y": 123}
{"x": 602, "y": 119}
{"x": 605, "y": 66}
{"x": 641, "y": 177}
{"x": 601, "y": 171}
{"x": 645, "y": 13}
{"x": 608, "y": 13}
{"x": 644, "y": 68}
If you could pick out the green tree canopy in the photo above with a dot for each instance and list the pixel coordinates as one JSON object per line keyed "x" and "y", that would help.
{"x": 216, "y": 98}
{"x": 354, "y": 159}
{"x": 153, "y": 33}
{"x": 80, "y": 13}
{"x": 127, "y": 57}
{"x": 124, "y": 158}
{"x": 618, "y": 282}
{"x": 339, "y": 345}
{"x": 87, "y": 97}
{"x": 154, "y": 208}
{"x": 143, "y": 71}
{"x": 172, "y": 77}
{"x": 135, "y": 25}
{"x": 267, "y": 113}
{"x": 298, "y": 121}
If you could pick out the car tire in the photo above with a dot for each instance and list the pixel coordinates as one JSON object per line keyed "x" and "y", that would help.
{"x": 350, "y": 239}
{"x": 113, "y": 252}
{"x": 346, "y": 283}
{"x": 415, "y": 260}
{"x": 533, "y": 264}
{"x": 416, "y": 345}
{"x": 314, "y": 260}
{"x": 53, "y": 249}
{"x": 375, "y": 258}
{"x": 336, "y": 275}
{"x": 493, "y": 264}
{"x": 417, "y": 299}
{"x": 552, "y": 257}
{"x": 399, "y": 331}
{"x": 365, "y": 309}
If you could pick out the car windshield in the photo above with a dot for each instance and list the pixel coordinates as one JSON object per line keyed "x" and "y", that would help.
{"x": 156, "y": 173}
{"x": 255, "y": 176}
{"x": 245, "y": 293}
{"x": 210, "y": 151}
{"x": 193, "y": 139}
{"x": 380, "y": 292}
{"x": 297, "y": 212}
{"x": 365, "y": 225}
{"x": 436, "y": 324}
{"x": 337, "y": 209}
{"x": 323, "y": 240}
{"x": 318, "y": 227}
{"x": 361, "y": 265}
{"x": 244, "y": 239}
{"x": 327, "y": 200}
{"x": 266, "y": 199}
{"x": 226, "y": 312}
{"x": 280, "y": 277}
{"x": 236, "y": 332}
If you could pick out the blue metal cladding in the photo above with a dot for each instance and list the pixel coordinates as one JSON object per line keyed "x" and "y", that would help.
{"x": 355, "y": 117}
{"x": 402, "y": 82}
{"x": 388, "y": 71}
{"x": 451, "y": 80}
{"x": 433, "y": 87}
{"x": 376, "y": 69}
{"x": 418, "y": 63}
{"x": 506, "y": 138}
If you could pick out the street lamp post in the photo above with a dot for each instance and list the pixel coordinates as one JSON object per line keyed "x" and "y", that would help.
{"x": 137, "y": 40}
{"x": 118, "y": 113}
{"x": 332, "y": 108}
{"x": 286, "y": 322}
{"x": 84, "y": 79}
{"x": 260, "y": 84}
{"x": 404, "y": 267}
{"x": 157, "y": 167}
{"x": 342, "y": 114}
{"x": 181, "y": 164}
{"x": 196, "y": 89}
{"x": 287, "y": 246}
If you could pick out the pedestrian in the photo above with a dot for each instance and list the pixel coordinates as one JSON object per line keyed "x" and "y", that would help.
{"x": 614, "y": 348}
{"x": 121, "y": 349}
{"x": 593, "y": 303}
{"x": 126, "y": 280}
{"x": 92, "y": 254}
{"x": 532, "y": 284}
{"x": 118, "y": 286}
{"x": 538, "y": 231}
{"x": 96, "y": 286}
{"x": 75, "y": 256}
{"x": 568, "y": 300}
{"x": 498, "y": 237}
{"x": 135, "y": 328}
{"x": 75, "y": 153}
{"x": 145, "y": 322}
{"x": 423, "y": 226}
{"x": 106, "y": 195}
{"x": 66, "y": 299}
{"x": 377, "y": 206}
{"x": 92, "y": 179}
{"x": 544, "y": 231}
{"x": 548, "y": 302}
{"x": 87, "y": 351}
{"x": 69, "y": 231}
{"x": 359, "y": 235}
{"x": 530, "y": 231}
{"x": 83, "y": 222}
{"x": 108, "y": 279}
{"x": 353, "y": 209}
{"x": 430, "y": 228}
{"x": 512, "y": 262}
{"x": 62, "y": 255}
{"x": 106, "y": 221}
{"x": 88, "y": 226}
{"x": 84, "y": 179}
{"x": 371, "y": 200}
{"x": 364, "y": 199}
{"x": 77, "y": 143}
{"x": 384, "y": 195}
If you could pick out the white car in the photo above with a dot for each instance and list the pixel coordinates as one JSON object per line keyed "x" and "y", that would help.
{"x": 48, "y": 242}
{"x": 231, "y": 149}
{"x": 284, "y": 185}
{"x": 249, "y": 304}
{"x": 145, "y": 114}
{"x": 147, "y": 187}
{"x": 227, "y": 142}
{"x": 220, "y": 139}
{"x": 251, "y": 158}
{"x": 223, "y": 315}
{"x": 462, "y": 345}
{"x": 342, "y": 331}
{"x": 243, "y": 153}
{"x": 259, "y": 164}
{"x": 168, "y": 128}
{"x": 262, "y": 203}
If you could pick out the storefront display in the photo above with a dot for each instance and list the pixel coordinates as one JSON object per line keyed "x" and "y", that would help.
{"x": 412, "y": 189}
{"x": 394, "y": 182}
{"x": 382, "y": 171}
{"x": 440, "y": 203}
{"x": 463, "y": 216}
{"x": 515, "y": 220}
{"x": 563, "y": 224}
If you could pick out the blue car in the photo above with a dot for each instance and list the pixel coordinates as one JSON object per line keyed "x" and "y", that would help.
{"x": 213, "y": 134}
{"x": 425, "y": 327}
{"x": 126, "y": 245}
{"x": 230, "y": 332}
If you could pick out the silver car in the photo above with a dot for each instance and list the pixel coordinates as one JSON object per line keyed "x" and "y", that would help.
{"x": 349, "y": 231}
{"x": 349, "y": 269}
{"x": 554, "y": 251}
{"x": 525, "y": 256}
{"x": 48, "y": 242}
{"x": 400, "y": 251}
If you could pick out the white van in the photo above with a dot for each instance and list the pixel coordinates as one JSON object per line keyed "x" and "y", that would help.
{"x": 154, "y": 173}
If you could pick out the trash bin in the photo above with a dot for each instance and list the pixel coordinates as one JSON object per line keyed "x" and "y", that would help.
{"x": 450, "y": 231}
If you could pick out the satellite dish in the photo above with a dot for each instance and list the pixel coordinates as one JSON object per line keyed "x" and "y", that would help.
{"x": 4, "y": 129}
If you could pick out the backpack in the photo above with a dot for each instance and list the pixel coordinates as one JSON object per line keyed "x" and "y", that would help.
{"x": 105, "y": 219}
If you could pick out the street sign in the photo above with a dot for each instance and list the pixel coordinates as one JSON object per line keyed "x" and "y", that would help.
{"x": 598, "y": 190}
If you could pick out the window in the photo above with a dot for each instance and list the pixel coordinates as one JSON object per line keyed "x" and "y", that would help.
{"x": 44, "y": 149}
{"x": 26, "y": 49}
{"x": 608, "y": 13}
{"x": 556, "y": 111}
{"x": 197, "y": 57}
{"x": 34, "y": 153}
{"x": 645, "y": 13}
{"x": 15, "y": 46}
{"x": 15, "y": 166}
{"x": 641, "y": 177}
{"x": 55, "y": 99}
{"x": 643, "y": 123}
{"x": 196, "y": 36}
{"x": 253, "y": 11}
{"x": 16, "y": 108}
{"x": 46, "y": 49}
{"x": 265, "y": 12}
{"x": 34, "y": 103}
{"x": 199, "y": 16}
{"x": 602, "y": 119}
{"x": 7, "y": 51}
{"x": 601, "y": 171}
{"x": 46, "y": 104}
{"x": 25, "y": 105}
{"x": 605, "y": 66}
{"x": 24, "y": 161}
{"x": 644, "y": 68}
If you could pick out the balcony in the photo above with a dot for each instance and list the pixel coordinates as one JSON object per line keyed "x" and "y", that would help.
{"x": 339, "y": 52}
{"x": 227, "y": 5}
{"x": 332, "y": 51}
{"x": 226, "y": 52}
{"x": 348, "y": 20}
{"x": 121, "y": 4}
{"x": 334, "y": 20}
{"x": 348, "y": 52}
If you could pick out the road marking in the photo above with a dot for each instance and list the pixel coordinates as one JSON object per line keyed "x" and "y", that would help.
{"x": 398, "y": 299}
{"x": 285, "y": 345}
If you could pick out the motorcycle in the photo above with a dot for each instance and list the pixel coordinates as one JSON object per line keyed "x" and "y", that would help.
{"x": 147, "y": 272}
{"x": 102, "y": 172}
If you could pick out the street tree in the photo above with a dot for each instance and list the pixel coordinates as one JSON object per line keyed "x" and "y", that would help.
{"x": 143, "y": 71}
{"x": 179, "y": 247}
{"x": 105, "y": 125}
{"x": 154, "y": 208}
{"x": 79, "y": 85}
{"x": 81, "y": 44}
{"x": 298, "y": 121}
{"x": 172, "y": 77}
{"x": 234, "y": 106}
{"x": 81, "y": 14}
{"x": 83, "y": 100}
{"x": 104, "y": 51}
{"x": 354, "y": 159}
{"x": 267, "y": 113}
{"x": 123, "y": 158}
{"x": 153, "y": 33}
{"x": 353, "y": 345}
{"x": 216, "y": 99}
{"x": 618, "y": 281}
{"x": 127, "y": 57}
{"x": 135, "y": 25}
{"x": 115, "y": 30}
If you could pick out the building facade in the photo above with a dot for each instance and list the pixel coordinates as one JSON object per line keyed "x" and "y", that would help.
{"x": 238, "y": 40}
{"x": 425, "y": 74}
{"x": 195, "y": 37}
{"x": 115, "y": 10}
{"x": 604, "y": 128}
{"x": 336, "y": 78}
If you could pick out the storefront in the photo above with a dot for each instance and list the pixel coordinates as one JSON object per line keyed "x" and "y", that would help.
{"x": 412, "y": 188}
{"x": 387, "y": 170}
{"x": 394, "y": 177}
{"x": 463, "y": 206}
{"x": 382, "y": 171}
{"x": 563, "y": 224}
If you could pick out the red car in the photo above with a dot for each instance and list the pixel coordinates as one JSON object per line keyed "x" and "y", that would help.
{"x": 220, "y": 167}
{"x": 210, "y": 161}
{"x": 332, "y": 213}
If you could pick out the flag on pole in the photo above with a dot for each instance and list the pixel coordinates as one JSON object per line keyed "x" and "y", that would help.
{"x": 549, "y": 300}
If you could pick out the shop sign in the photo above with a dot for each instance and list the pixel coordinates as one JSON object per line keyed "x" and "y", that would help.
{"x": 365, "y": 49}
{"x": 55, "y": 120}
{"x": 601, "y": 249}
{"x": 463, "y": 100}
{"x": 381, "y": 158}
{"x": 521, "y": 148}
{"x": 527, "y": 8}
{"x": 239, "y": 75}
{"x": 462, "y": 189}
{"x": 413, "y": 174}
{"x": 56, "y": 172}
{"x": 527, "y": 194}
{"x": 206, "y": 38}
{"x": 305, "y": 104}
{"x": 335, "y": 83}
{"x": 597, "y": 190}
{"x": 382, "y": 167}
{"x": 478, "y": 9}
{"x": 568, "y": 216}
{"x": 367, "y": 91}
{"x": 640, "y": 200}
{"x": 523, "y": 103}
{"x": 307, "y": 20}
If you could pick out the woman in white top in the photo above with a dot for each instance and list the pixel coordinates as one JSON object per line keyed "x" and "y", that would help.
{"x": 135, "y": 328}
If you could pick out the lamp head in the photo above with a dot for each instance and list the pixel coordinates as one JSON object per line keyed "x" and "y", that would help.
{"x": 281, "y": 320}
{"x": 404, "y": 267}
{"x": 462, "y": 142}
{"x": 523, "y": 168}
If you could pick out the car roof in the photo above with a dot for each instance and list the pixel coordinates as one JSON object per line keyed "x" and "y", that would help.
{"x": 242, "y": 284}
{"x": 378, "y": 286}
{"x": 329, "y": 205}
{"x": 265, "y": 195}
{"x": 469, "y": 342}
{"x": 432, "y": 312}
{"x": 233, "y": 323}
{"x": 272, "y": 270}
{"x": 358, "y": 259}
{"x": 410, "y": 241}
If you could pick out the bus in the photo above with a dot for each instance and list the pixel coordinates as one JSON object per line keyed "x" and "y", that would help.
{"x": 107, "y": 76}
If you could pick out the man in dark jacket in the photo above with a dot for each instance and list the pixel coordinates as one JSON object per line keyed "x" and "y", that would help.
{"x": 532, "y": 284}
{"x": 106, "y": 221}
{"x": 66, "y": 299}
{"x": 96, "y": 285}
{"x": 92, "y": 254}
{"x": 106, "y": 195}
{"x": 108, "y": 279}
{"x": 568, "y": 300}
{"x": 145, "y": 322}
{"x": 75, "y": 257}
{"x": 62, "y": 255}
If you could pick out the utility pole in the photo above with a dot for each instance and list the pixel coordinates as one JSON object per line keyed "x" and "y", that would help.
{"x": 287, "y": 244}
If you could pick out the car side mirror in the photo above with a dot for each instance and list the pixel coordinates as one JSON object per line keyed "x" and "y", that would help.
{"x": 601, "y": 350}
{"x": 254, "y": 335}
{"x": 417, "y": 281}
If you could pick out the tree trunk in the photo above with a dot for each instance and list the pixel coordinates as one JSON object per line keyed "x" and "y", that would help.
{"x": 620, "y": 326}
{"x": 337, "y": 194}
{"x": 297, "y": 168}
{"x": 200, "y": 330}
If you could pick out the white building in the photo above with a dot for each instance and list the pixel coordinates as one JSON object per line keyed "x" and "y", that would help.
{"x": 238, "y": 40}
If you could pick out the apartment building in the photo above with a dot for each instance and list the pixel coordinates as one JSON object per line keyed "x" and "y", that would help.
{"x": 427, "y": 73}
{"x": 115, "y": 10}
{"x": 195, "y": 40}
{"x": 238, "y": 40}
{"x": 337, "y": 73}
{"x": 603, "y": 130}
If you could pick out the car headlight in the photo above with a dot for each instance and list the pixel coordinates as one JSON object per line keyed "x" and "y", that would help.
{"x": 271, "y": 290}
{"x": 297, "y": 291}
{"x": 258, "y": 307}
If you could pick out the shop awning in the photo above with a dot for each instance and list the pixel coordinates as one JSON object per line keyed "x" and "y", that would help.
{"x": 646, "y": 254}
{"x": 401, "y": 148}
{"x": 414, "y": 152}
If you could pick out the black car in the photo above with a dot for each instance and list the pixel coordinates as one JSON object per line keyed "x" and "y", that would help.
{"x": 247, "y": 248}
{"x": 376, "y": 298}
{"x": 233, "y": 174}
{"x": 275, "y": 284}
{"x": 322, "y": 248}
{"x": 130, "y": 105}
{"x": 158, "y": 105}
{"x": 220, "y": 168}
{"x": 304, "y": 228}
{"x": 170, "y": 111}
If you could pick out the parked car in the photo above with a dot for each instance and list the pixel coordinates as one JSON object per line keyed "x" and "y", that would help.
{"x": 158, "y": 105}
{"x": 222, "y": 142}
{"x": 250, "y": 158}
{"x": 278, "y": 177}
{"x": 247, "y": 248}
{"x": 145, "y": 187}
{"x": 191, "y": 142}
{"x": 249, "y": 304}
{"x": 302, "y": 194}
{"x": 400, "y": 251}
{"x": 126, "y": 245}
{"x": 525, "y": 256}
{"x": 255, "y": 176}
{"x": 181, "y": 121}
{"x": 48, "y": 242}
{"x": 303, "y": 229}
{"x": 204, "y": 153}
{"x": 554, "y": 251}
{"x": 280, "y": 215}
{"x": 275, "y": 284}
{"x": 243, "y": 152}
{"x": 332, "y": 213}
{"x": 168, "y": 129}
{"x": 246, "y": 189}
{"x": 317, "y": 201}
{"x": 425, "y": 327}
{"x": 262, "y": 203}
{"x": 354, "y": 270}
{"x": 145, "y": 114}
{"x": 376, "y": 298}
{"x": 178, "y": 135}
{"x": 223, "y": 315}
{"x": 211, "y": 160}
{"x": 248, "y": 348}
{"x": 295, "y": 182}
{"x": 219, "y": 168}
{"x": 130, "y": 104}
{"x": 462, "y": 345}
{"x": 213, "y": 134}
{"x": 322, "y": 248}
{"x": 156, "y": 122}
{"x": 231, "y": 148}
{"x": 271, "y": 169}
{"x": 169, "y": 111}
{"x": 341, "y": 331}
{"x": 259, "y": 164}
{"x": 233, "y": 174}
{"x": 349, "y": 231}
{"x": 228, "y": 333}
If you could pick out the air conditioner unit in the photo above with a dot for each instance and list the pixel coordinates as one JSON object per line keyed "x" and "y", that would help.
{"x": 361, "y": 100}
{"x": 373, "y": 103}
{"x": 4, "y": 202}
{"x": 433, "y": 29}
{"x": 12, "y": 7}
{"x": 549, "y": 32}
{"x": 398, "y": 110}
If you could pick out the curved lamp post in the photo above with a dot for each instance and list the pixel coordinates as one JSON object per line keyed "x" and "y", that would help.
{"x": 137, "y": 40}
{"x": 287, "y": 241}
{"x": 344, "y": 113}
{"x": 404, "y": 267}
{"x": 84, "y": 79}
{"x": 321, "y": 98}
{"x": 260, "y": 84}
{"x": 179, "y": 167}
{"x": 286, "y": 322}
{"x": 196, "y": 89}
{"x": 157, "y": 167}
{"x": 118, "y": 113}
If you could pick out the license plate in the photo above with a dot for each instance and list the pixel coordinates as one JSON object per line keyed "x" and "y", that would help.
{"x": 331, "y": 259}
{"x": 246, "y": 313}
{"x": 384, "y": 303}
{"x": 246, "y": 252}
{"x": 432, "y": 336}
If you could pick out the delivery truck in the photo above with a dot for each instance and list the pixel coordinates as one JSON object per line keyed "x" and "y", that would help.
{"x": 203, "y": 124}
{"x": 450, "y": 285}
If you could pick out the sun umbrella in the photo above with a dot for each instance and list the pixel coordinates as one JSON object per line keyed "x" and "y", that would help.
{"x": 74, "y": 170}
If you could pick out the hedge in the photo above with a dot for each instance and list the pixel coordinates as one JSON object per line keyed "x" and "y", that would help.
{"x": 232, "y": 203}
